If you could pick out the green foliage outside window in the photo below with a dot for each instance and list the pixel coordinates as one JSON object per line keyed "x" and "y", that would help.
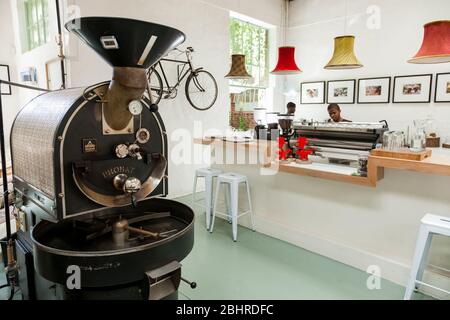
{"x": 252, "y": 41}
{"x": 34, "y": 18}
{"x": 242, "y": 124}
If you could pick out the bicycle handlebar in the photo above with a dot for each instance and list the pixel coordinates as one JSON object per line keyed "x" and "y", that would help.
{"x": 188, "y": 49}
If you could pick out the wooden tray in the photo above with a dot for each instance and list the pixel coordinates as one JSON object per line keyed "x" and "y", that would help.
{"x": 405, "y": 154}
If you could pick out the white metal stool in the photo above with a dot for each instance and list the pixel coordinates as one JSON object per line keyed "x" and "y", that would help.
{"x": 232, "y": 180}
{"x": 431, "y": 225}
{"x": 209, "y": 174}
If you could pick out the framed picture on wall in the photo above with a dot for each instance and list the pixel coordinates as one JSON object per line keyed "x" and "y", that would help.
{"x": 341, "y": 91}
{"x": 312, "y": 92}
{"x": 412, "y": 89}
{"x": 442, "y": 92}
{"x": 374, "y": 90}
{"x": 4, "y": 75}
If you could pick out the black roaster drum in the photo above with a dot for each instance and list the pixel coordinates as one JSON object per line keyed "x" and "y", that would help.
{"x": 102, "y": 264}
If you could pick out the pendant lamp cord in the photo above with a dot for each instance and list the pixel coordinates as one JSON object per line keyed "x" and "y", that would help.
{"x": 345, "y": 17}
{"x": 286, "y": 21}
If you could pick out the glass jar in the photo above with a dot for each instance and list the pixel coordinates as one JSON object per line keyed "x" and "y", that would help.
{"x": 418, "y": 136}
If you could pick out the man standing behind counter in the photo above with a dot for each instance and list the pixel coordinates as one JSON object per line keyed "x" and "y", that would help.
{"x": 334, "y": 111}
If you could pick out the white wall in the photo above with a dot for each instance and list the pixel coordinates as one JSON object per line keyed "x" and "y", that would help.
{"x": 383, "y": 52}
{"x": 206, "y": 25}
{"x": 7, "y": 52}
{"x": 36, "y": 58}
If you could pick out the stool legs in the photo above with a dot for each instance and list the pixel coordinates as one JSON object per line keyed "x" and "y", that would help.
{"x": 208, "y": 200}
{"x": 419, "y": 260}
{"x": 234, "y": 208}
{"x": 216, "y": 198}
{"x": 194, "y": 190}
{"x": 227, "y": 202}
{"x": 250, "y": 205}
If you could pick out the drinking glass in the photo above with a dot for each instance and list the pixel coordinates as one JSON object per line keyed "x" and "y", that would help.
{"x": 418, "y": 136}
{"x": 393, "y": 140}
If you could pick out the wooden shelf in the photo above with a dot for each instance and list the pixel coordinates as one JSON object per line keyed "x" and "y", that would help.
{"x": 305, "y": 171}
{"x": 436, "y": 164}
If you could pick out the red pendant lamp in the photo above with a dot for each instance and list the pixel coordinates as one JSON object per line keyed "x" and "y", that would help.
{"x": 286, "y": 62}
{"x": 436, "y": 43}
{"x": 286, "y": 55}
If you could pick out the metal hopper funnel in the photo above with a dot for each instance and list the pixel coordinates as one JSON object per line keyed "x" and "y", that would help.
{"x": 130, "y": 47}
{"x": 126, "y": 42}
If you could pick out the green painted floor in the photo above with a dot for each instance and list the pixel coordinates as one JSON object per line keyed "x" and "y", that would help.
{"x": 261, "y": 267}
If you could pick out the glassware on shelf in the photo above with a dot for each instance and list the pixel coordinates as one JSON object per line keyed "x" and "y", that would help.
{"x": 430, "y": 126}
{"x": 393, "y": 140}
{"x": 418, "y": 136}
{"x": 399, "y": 140}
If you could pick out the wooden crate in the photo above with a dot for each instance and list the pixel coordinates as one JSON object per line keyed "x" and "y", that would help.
{"x": 405, "y": 154}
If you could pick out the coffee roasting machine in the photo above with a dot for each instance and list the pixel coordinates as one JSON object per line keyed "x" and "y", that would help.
{"x": 89, "y": 174}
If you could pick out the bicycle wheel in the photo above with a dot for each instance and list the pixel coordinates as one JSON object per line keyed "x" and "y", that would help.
{"x": 155, "y": 85}
{"x": 201, "y": 90}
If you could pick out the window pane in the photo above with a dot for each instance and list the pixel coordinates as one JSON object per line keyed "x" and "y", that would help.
{"x": 39, "y": 11}
{"x": 250, "y": 40}
{"x": 35, "y": 22}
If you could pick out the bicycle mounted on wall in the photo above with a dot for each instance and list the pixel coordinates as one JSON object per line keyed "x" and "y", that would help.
{"x": 200, "y": 88}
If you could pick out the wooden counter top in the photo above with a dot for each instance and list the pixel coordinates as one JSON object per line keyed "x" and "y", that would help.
{"x": 248, "y": 145}
{"x": 438, "y": 163}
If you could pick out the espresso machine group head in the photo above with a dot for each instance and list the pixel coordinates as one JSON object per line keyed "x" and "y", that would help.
{"x": 287, "y": 132}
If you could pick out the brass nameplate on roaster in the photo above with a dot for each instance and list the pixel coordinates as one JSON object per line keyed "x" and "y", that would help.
{"x": 112, "y": 172}
{"x": 89, "y": 145}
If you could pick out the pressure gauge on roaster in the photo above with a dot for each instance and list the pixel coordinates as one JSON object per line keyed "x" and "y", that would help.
{"x": 121, "y": 151}
{"x": 143, "y": 136}
{"x": 135, "y": 107}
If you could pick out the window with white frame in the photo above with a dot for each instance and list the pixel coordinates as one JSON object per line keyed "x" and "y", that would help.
{"x": 252, "y": 41}
{"x": 34, "y": 23}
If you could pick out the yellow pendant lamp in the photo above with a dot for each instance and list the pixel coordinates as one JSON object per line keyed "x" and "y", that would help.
{"x": 344, "y": 55}
{"x": 344, "y": 50}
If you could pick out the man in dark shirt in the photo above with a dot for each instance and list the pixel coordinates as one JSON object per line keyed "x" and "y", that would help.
{"x": 334, "y": 112}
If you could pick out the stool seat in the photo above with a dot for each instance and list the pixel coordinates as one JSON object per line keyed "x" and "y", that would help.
{"x": 436, "y": 221}
{"x": 231, "y": 177}
{"x": 204, "y": 172}
{"x": 430, "y": 225}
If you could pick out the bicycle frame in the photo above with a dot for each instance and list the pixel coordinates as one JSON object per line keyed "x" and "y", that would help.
{"x": 181, "y": 74}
